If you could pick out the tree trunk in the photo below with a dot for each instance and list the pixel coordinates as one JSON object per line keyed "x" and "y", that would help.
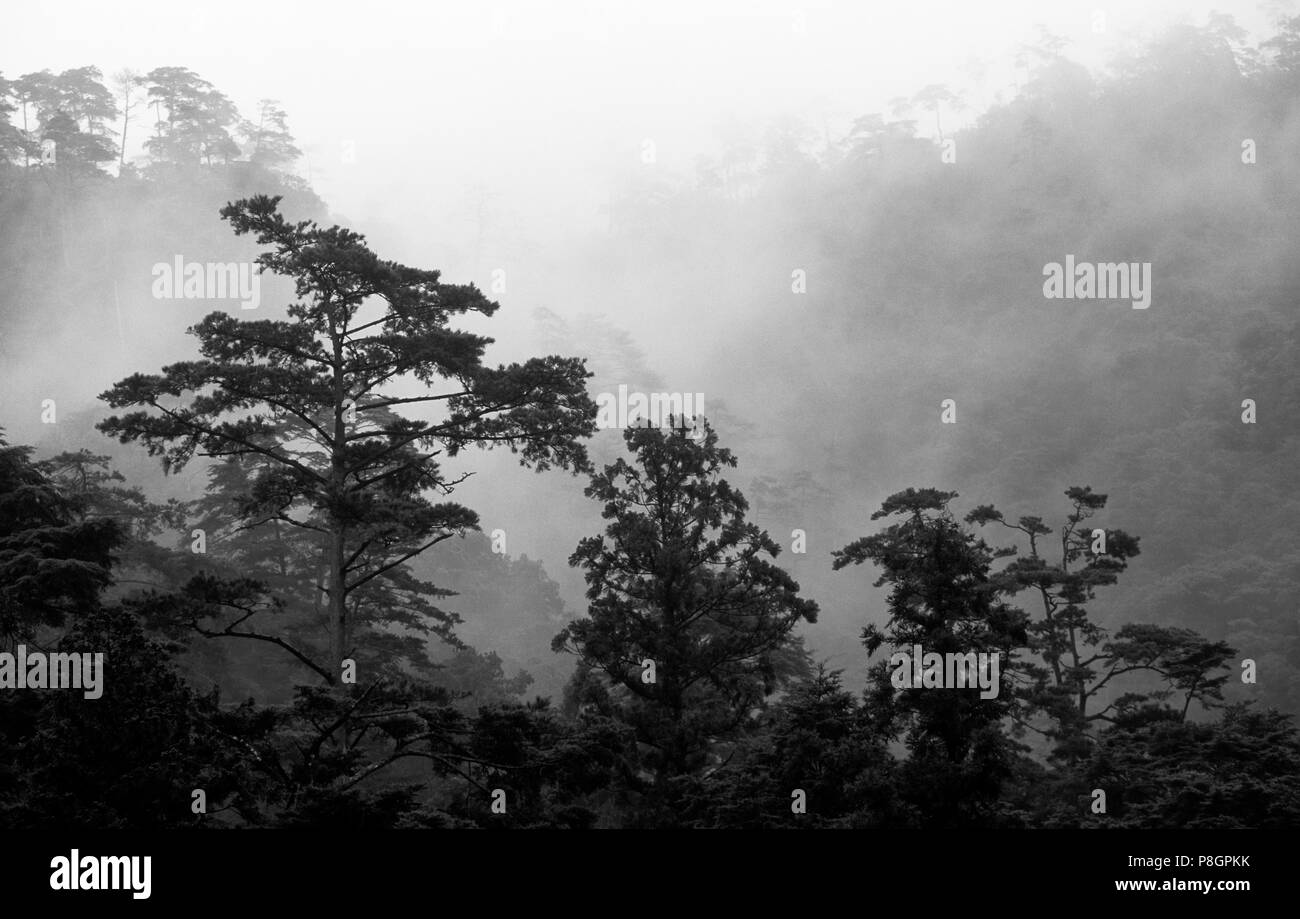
{"x": 126, "y": 121}
{"x": 337, "y": 609}
{"x": 338, "y": 473}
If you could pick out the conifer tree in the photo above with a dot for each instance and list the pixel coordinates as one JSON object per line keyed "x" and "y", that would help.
{"x": 307, "y": 406}
{"x": 689, "y": 619}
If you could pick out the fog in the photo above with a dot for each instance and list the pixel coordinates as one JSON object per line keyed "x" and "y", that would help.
{"x": 639, "y": 185}
{"x": 473, "y": 139}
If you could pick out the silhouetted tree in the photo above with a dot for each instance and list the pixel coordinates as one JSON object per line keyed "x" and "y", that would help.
{"x": 1079, "y": 659}
{"x": 942, "y": 599}
{"x": 681, "y": 583}
{"x": 301, "y": 403}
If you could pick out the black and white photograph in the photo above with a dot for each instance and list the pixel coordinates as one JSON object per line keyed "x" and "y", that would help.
{"x": 653, "y": 416}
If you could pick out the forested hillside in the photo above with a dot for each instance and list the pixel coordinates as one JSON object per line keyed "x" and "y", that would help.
{"x": 354, "y": 562}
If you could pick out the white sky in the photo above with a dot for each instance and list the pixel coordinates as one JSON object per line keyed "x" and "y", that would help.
{"x": 542, "y": 102}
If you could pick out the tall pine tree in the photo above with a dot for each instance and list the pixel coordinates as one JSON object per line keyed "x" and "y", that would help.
{"x": 689, "y": 619}
{"x": 306, "y": 406}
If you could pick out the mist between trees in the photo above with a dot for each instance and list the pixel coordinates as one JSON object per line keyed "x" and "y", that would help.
{"x": 319, "y": 616}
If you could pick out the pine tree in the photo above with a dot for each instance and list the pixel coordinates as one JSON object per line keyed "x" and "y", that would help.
{"x": 942, "y": 599}
{"x": 304, "y": 404}
{"x": 199, "y": 119}
{"x": 269, "y": 142}
{"x": 1079, "y": 658}
{"x": 54, "y": 560}
{"x": 689, "y": 620}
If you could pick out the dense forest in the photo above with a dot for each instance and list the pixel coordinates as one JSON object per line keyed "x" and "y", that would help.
{"x": 249, "y": 501}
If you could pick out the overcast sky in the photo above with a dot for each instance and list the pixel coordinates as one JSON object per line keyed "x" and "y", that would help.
{"x": 536, "y": 100}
